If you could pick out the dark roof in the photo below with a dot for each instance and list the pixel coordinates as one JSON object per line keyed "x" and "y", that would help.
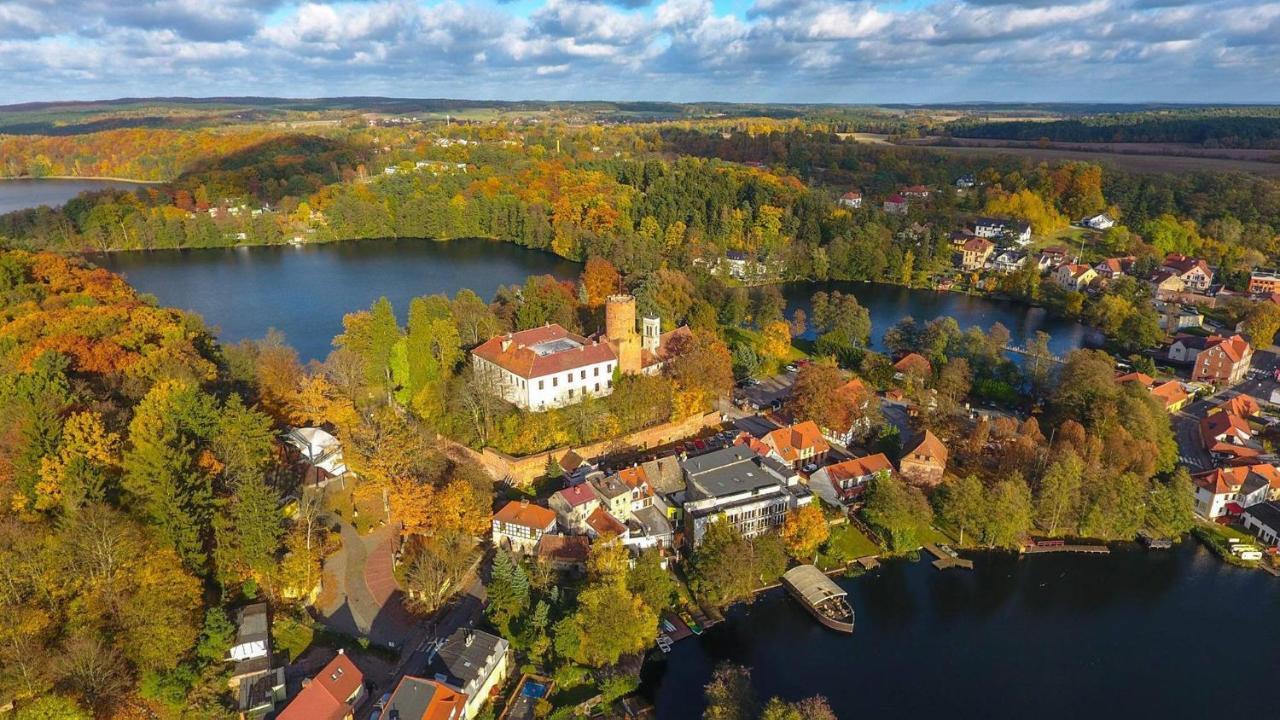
{"x": 466, "y": 658}
{"x": 253, "y": 624}
{"x": 729, "y": 471}
{"x": 1267, "y": 513}
{"x": 411, "y": 699}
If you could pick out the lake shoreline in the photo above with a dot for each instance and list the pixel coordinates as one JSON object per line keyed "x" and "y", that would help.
{"x": 95, "y": 178}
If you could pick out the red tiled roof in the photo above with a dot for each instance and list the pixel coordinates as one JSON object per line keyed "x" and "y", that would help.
{"x": 978, "y": 245}
{"x": 1183, "y": 264}
{"x": 851, "y": 195}
{"x": 790, "y": 442}
{"x": 1170, "y": 393}
{"x": 1223, "y": 424}
{"x": 896, "y": 199}
{"x": 1142, "y": 378}
{"x": 1234, "y": 347}
{"x": 526, "y": 514}
{"x": 579, "y": 494}
{"x": 605, "y": 524}
{"x": 564, "y": 548}
{"x": 325, "y": 697}
{"x": 930, "y": 448}
{"x": 1243, "y": 405}
{"x": 634, "y": 477}
{"x": 520, "y": 360}
{"x": 913, "y": 362}
{"x": 859, "y": 467}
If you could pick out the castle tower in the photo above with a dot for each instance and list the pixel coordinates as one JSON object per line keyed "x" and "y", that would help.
{"x": 651, "y": 333}
{"x": 620, "y": 330}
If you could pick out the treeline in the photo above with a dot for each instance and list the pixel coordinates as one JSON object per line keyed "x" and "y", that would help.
{"x": 1214, "y": 128}
{"x": 134, "y": 153}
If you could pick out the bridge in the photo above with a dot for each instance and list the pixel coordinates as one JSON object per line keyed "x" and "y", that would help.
{"x": 1021, "y": 350}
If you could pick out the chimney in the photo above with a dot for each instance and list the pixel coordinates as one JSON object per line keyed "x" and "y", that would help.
{"x": 506, "y": 343}
{"x": 471, "y": 638}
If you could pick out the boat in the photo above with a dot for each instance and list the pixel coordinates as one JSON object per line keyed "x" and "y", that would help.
{"x": 694, "y": 627}
{"x": 819, "y": 594}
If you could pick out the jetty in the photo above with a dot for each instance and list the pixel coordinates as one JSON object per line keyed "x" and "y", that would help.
{"x": 1040, "y": 547}
{"x": 819, "y": 594}
{"x": 947, "y": 558}
{"x": 1152, "y": 542}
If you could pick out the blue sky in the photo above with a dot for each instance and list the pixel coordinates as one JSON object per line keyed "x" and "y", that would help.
{"x": 859, "y": 51}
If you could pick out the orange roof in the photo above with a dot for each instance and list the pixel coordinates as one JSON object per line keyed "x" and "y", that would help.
{"x": 1145, "y": 380}
{"x": 1224, "y": 424}
{"x": 1242, "y": 405}
{"x": 930, "y": 448}
{"x": 1234, "y": 347}
{"x": 791, "y": 442}
{"x": 978, "y": 245}
{"x": 605, "y": 524}
{"x": 520, "y": 360}
{"x": 526, "y": 514}
{"x": 859, "y": 467}
{"x": 1222, "y": 480}
{"x": 913, "y": 362}
{"x": 1170, "y": 393}
{"x": 634, "y": 477}
{"x": 565, "y": 548}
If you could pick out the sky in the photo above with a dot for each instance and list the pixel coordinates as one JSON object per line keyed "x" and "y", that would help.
{"x": 861, "y": 51}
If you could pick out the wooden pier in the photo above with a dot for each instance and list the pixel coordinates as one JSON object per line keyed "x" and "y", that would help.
{"x": 947, "y": 559}
{"x": 1087, "y": 549}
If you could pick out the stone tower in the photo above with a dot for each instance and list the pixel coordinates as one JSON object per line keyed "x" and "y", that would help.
{"x": 651, "y": 333}
{"x": 620, "y": 330}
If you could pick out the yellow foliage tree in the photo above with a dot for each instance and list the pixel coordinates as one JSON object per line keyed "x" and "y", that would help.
{"x": 804, "y": 531}
{"x": 775, "y": 341}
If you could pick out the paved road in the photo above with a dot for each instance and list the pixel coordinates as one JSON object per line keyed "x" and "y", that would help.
{"x": 364, "y": 599}
{"x": 1186, "y": 423}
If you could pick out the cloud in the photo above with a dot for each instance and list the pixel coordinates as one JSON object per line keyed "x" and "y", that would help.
{"x": 775, "y": 50}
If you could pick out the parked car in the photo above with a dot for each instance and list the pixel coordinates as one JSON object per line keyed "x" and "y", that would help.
{"x": 811, "y": 468}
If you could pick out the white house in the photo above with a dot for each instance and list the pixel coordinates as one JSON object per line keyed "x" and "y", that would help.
{"x": 1016, "y": 230}
{"x": 1229, "y": 490}
{"x": 1263, "y": 520}
{"x": 320, "y": 451}
{"x": 841, "y": 484}
{"x": 1101, "y": 221}
{"x": 851, "y": 199}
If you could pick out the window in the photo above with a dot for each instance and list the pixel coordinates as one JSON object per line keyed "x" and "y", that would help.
{"x": 570, "y": 392}
{"x": 597, "y": 372}
{"x": 568, "y": 377}
{"x": 555, "y": 382}
{"x": 610, "y": 384}
{"x": 597, "y": 387}
{"x": 582, "y": 375}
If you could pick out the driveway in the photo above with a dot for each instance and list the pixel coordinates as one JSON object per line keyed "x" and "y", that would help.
{"x": 362, "y": 598}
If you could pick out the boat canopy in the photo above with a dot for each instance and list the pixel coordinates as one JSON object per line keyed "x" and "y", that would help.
{"x": 814, "y": 586}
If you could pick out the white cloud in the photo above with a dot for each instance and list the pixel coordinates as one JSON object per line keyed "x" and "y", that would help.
{"x": 784, "y": 50}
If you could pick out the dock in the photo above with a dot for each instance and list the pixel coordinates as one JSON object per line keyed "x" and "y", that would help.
{"x": 1061, "y": 547}
{"x": 947, "y": 558}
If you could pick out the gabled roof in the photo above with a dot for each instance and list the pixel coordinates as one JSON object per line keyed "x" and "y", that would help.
{"x": 417, "y": 698}
{"x": 930, "y": 448}
{"x": 633, "y": 477}
{"x": 978, "y": 245}
{"x": 563, "y": 548}
{"x": 859, "y": 467}
{"x": 1235, "y": 347}
{"x": 1182, "y": 264}
{"x": 1170, "y": 393}
{"x": 896, "y": 200}
{"x": 466, "y": 658}
{"x": 664, "y": 475}
{"x": 579, "y": 494}
{"x": 1117, "y": 265}
{"x": 1243, "y": 405}
{"x": 543, "y": 351}
{"x": 790, "y": 442}
{"x": 605, "y": 524}
{"x": 852, "y": 195}
{"x": 913, "y": 362}
{"x": 525, "y": 514}
{"x": 1225, "y": 424}
{"x": 325, "y": 697}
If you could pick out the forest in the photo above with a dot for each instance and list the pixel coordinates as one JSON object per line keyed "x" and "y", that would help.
{"x": 1242, "y": 127}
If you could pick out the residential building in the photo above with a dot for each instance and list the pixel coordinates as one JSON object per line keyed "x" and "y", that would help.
{"x": 798, "y": 445}
{"x": 1050, "y": 258}
{"x": 1115, "y": 267}
{"x": 913, "y": 364}
{"x": 573, "y": 505}
{"x": 564, "y": 553}
{"x": 1173, "y": 317}
{"x": 1242, "y": 405}
{"x": 615, "y": 495}
{"x": 258, "y": 685}
{"x": 741, "y": 487}
{"x": 333, "y": 694}
{"x": 1224, "y": 360}
{"x": 926, "y": 462}
{"x": 966, "y": 182}
{"x": 1170, "y": 393}
{"x": 649, "y": 528}
{"x": 473, "y": 662}
{"x": 1194, "y": 272}
{"x": 548, "y": 367}
{"x": 1185, "y": 348}
{"x": 858, "y": 397}
{"x": 1228, "y": 490}
{"x": 1074, "y": 276}
{"x": 319, "y": 452}
{"x": 1101, "y": 221}
{"x": 1008, "y": 261}
{"x": 851, "y": 199}
{"x": 667, "y": 480}
{"x": 520, "y": 524}
{"x": 601, "y": 522}
{"x": 844, "y": 483}
{"x": 417, "y": 698}
{"x": 1003, "y": 228}
{"x": 1168, "y": 285}
{"x": 1264, "y": 283}
{"x": 915, "y": 192}
{"x": 1227, "y": 436}
{"x": 974, "y": 254}
{"x": 897, "y": 205}
{"x": 1263, "y": 520}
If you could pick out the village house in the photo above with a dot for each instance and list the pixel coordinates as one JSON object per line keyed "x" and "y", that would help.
{"x": 334, "y": 693}
{"x": 856, "y": 394}
{"x": 667, "y": 481}
{"x": 601, "y": 523}
{"x": 1185, "y": 348}
{"x": 1263, "y": 520}
{"x": 739, "y": 486}
{"x": 1193, "y": 272}
{"x": 648, "y": 528}
{"x": 1101, "y": 221}
{"x": 912, "y": 364}
{"x": 896, "y": 205}
{"x": 1050, "y": 258}
{"x": 418, "y": 698}
{"x": 1008, "y": 261}
{"x": 1245, "y": 406}
{"x": 320, "y": 454}
{"x": 915, "y": 192}
{"x": 926, "y": 462}
{"x": 1170, "y": 393}
{"x": 1074, "y": 277}
{"x": 473, "y": 662}
{"x": 615, "y": 496}
{"x": 1003, "y": 229}
{"x": 564, "y": 553}
{"x": 1223, "y": 361}
{"x": 549, "y": 367}
{"x": 1115, "y": 267}
{"x": 974, "y": 254}
{"x": 798, "y": 445}
{"x": 966, "y": 182}
{"x": 1227, "y": 436}
{"x": 1264, "y": 283}
{"x": 258, "y": 686}
{"x": 520, "y": 524}
{"x": 843, "y": 484}
{"x": 851, "y": 199}
{"x": 1173, "y": 317}
{"x": 1228, "y": 490}
{"x": 1167, "y": 285}
{"x": 573, "y": 505}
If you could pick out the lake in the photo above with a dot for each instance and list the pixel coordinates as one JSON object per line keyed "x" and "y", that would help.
{"x": 29, "y": 193}
{"x": 1177, "y": 634}
{"x": 304, "y": 291}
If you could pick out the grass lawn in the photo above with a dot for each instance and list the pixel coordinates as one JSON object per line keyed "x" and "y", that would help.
{"x": 845, "y": 545}
{"x": 291, "y": 636}
{"x": 752, "y": 338}
{"x": 937, "y": 537}
{"x": 1216, "y": 537}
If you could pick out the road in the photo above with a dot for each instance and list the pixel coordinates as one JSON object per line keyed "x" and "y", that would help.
{"x": 1186, "y": 423}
